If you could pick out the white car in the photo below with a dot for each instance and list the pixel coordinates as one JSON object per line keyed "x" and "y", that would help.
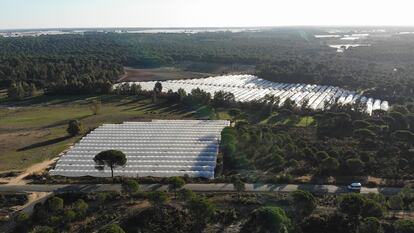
{"x": 355, "y": 187}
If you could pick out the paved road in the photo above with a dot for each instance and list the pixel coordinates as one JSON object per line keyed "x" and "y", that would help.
{"x": 329, "y": 189}
{"x": 332, "y": 189}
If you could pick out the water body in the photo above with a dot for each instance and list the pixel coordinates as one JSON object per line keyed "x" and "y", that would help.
{"x": 405, "y": 33}
{"x": 340, "y": 48}
{"x": 328, "y": 36}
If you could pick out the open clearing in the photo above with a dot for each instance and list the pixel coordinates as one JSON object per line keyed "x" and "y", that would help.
{"x": 35, "y": 130}
{"x": 164, "y": 73}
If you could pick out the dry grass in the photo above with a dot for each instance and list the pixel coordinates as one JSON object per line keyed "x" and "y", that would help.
{"x": 36, "y": 130}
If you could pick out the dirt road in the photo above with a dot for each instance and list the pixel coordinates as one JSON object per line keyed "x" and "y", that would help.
{"x": 19, "y": 180}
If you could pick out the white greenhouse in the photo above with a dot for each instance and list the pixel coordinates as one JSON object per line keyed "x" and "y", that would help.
{"x": 249, "y": 87}
{"x": 159, "y": 148}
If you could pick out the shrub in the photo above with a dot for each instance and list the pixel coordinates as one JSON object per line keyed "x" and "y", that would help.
{"x": 313, "y": 224}
{"x": 372, "y": 209}
{"x": 404, "y": 226}
{"x": 74, "y": 128}
{"x": 352, "y": 205}
{"x": 201, "y": 210}
{"x": 304, "y": 203}
{"x": 42, "y": 229}
{"x": 267, "y": 219}
{"x": 355, "y": 165}
{"x": 130, "y": 186}
{"x": 364, "y": 134}
{"x": 158, "y": 197}
{"x": 80, "y": 207}
{"x": 185, "y": 194}
{"x": 113, "y": 228}
{"x": 55, "y": 204}
{"x": 370, "y": 225}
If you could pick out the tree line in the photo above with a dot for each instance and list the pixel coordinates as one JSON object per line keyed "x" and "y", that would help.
{"x": 383, "y": 70}
{"x": 182, "y": 210}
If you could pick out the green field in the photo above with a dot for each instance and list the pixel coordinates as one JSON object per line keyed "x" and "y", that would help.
{"x": 290, "y": 120}
{"x": 35, "y": 129}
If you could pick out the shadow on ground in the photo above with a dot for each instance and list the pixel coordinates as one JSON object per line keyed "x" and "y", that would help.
{"x": 44, "y": 143}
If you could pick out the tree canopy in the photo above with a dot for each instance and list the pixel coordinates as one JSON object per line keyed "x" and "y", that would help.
{"x": 110, "y": 158}
{"x": 268, "y": 219}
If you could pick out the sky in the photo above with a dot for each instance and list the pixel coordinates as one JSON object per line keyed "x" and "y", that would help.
{"x": 24, "y": 14}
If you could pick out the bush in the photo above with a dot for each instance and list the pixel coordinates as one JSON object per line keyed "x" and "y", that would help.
{"x": 55, "y": 204}
{"x": 313, "y": 224}
{"x": 370, "y": 225}
{"x": 396, "y": 202}
{"x": 80, "y": 207}
{"x": 22, "y": 222}
{"x": 130, "y": 186}
{"x": 358, "y": 124}
{"x": 42, "y": 229}
{"x": 175, "y": 183}
{"x": 404, "y": 226}
{"x": 304, "y": 203}
{"x": 185, "y": 194}
{"x": 267, "y": 219}
{"x": 74, "y": 128}
{"x": 372, "y": 209}
{"x": 355, "y": 165}
{"x": 113, "y": 228}
{"x": 201, "y": 210}
{"x": 364, "y": 134}
{"x": 164, "y": 218}
{"x": 329, "y": 165}
{"x": 158, "y": 197}
{"x": 351, "y": 204}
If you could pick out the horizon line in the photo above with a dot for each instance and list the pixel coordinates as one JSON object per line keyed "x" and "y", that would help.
{"x": 211, "y": 27}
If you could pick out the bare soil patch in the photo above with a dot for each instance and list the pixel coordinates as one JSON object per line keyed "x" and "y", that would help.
{"x": 32, "y": 199}
{"x": 36, "y": 168}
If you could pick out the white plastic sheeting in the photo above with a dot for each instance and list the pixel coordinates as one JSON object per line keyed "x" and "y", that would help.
{"x": 160, "y": 148}
{"x": 249, "y": 87}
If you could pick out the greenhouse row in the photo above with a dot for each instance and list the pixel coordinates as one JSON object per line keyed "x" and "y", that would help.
{"x": 159, "y": 148}
{"x": 249, "y": 87}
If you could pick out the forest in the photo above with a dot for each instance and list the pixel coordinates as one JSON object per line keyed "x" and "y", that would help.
{"x": 182, "y": 210}
{"x": 382, "y": 70}
{"x": 267, "y": 142}
{"x": 271, "y": 142}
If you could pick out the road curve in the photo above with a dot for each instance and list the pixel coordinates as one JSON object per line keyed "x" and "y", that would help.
{"x": 219, "y": 187}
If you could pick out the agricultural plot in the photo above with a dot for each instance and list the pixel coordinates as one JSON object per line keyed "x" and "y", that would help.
{"x": 249, "y": 87}
{"x": 159, "y": 148}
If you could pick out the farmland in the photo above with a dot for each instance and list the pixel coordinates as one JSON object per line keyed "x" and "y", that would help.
{"x": 35, "y": 130}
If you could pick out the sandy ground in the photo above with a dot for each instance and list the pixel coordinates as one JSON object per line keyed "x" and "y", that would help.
{"x": 19, "y": 180}
{"x": 33, "y": 198}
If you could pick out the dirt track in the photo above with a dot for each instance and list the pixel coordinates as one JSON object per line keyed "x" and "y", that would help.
{"x": 19, "y": 180}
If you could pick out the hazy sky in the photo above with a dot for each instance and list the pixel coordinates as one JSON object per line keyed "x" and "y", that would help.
{"x": 202, "y": 13}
